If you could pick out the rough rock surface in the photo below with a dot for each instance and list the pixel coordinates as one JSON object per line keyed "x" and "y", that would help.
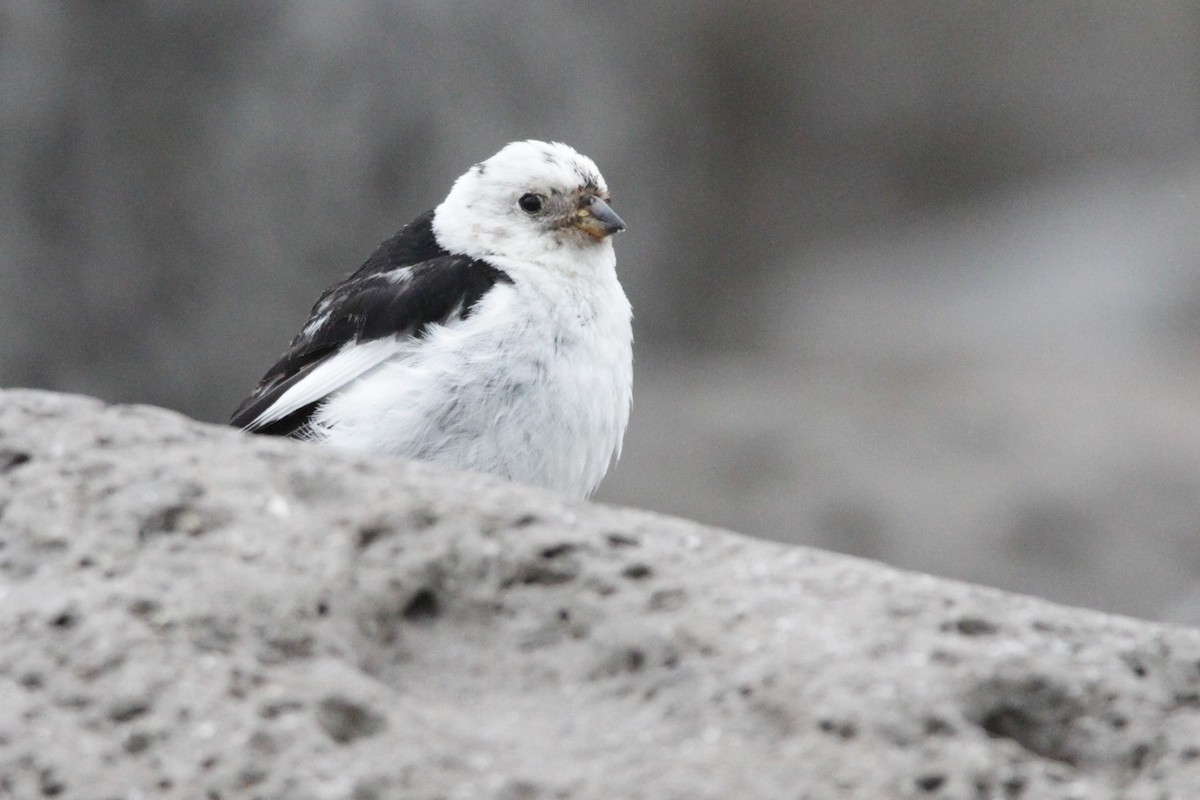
{"x": 186, "y": 612}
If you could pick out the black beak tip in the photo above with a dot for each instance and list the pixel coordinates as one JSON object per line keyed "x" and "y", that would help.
{"x": 603, "y": 214}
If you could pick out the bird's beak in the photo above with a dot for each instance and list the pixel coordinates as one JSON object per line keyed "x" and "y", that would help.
{"x": 596, "y": 219}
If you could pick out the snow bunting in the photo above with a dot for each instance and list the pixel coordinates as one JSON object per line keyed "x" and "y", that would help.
{"x": 489, "y": 334}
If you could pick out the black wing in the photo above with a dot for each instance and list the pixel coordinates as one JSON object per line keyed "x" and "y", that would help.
{"x": 408, "y": 284}
{"x": 414, "y": 243}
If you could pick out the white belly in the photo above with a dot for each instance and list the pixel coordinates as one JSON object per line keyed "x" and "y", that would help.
{"x": 534, "y": 386}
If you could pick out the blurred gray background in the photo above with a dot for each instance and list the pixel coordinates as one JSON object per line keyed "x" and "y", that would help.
{"x": 918, "y": 282}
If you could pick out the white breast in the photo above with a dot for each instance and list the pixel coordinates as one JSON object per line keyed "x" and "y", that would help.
{"x": 534, "y": 385}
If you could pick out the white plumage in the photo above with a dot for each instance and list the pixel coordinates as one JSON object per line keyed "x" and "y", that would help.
{"x": 505, "y": 345}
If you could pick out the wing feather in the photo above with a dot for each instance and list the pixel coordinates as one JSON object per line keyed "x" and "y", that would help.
{"x": 376, "y": 314}
{"x": 326, "y": 377}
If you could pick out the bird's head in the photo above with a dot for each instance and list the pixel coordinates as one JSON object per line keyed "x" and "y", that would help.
{"x": 533, "y": 201}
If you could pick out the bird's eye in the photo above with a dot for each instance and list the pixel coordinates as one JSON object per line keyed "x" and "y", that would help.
{"x": 530, "y": 203}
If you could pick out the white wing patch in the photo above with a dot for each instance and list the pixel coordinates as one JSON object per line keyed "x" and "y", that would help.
{"x": 335, "y": 372}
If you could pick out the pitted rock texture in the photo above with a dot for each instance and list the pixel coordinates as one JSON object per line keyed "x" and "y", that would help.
{"x": 189, "y": 612}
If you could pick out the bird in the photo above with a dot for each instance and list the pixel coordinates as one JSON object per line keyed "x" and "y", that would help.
{"x": 490, "y": 334}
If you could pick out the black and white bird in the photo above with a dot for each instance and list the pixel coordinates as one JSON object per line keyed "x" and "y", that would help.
{"x": 490, "y": 334}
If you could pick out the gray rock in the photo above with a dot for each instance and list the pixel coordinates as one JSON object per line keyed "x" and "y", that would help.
{"x": 187, "y": 612}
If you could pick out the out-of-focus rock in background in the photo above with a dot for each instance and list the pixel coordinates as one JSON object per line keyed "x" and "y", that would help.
{"x": 917, "y": 283}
